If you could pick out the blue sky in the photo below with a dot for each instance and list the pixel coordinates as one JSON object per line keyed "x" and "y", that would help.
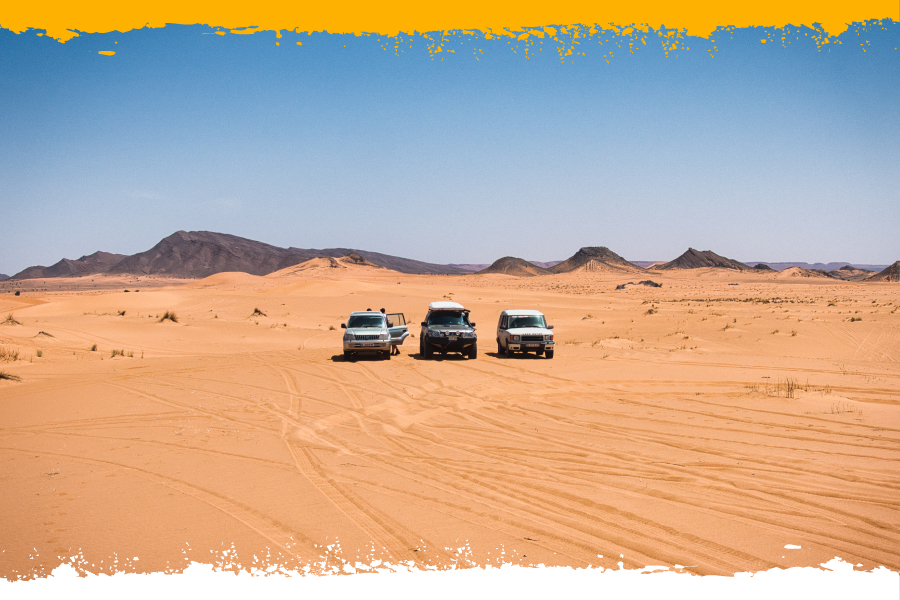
{"x": 757, "y": 151}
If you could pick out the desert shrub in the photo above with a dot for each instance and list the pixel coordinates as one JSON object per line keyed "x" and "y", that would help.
{"x": 8, "y": 354}
{"x": 9, "y": 376}
{"x": 18, "y": 293}
{"x": 854, "y": 319}
{"x": 10, "y": 320}
{"x": 116, "y": 353}
{"x": 39, "y": 353}
{"x": 331, "y": 328}
{"x": 650, "y": 311}
{"x": 121, "y": 313}
{"x": 171, "y": 316}
{"x": 258, "y": 313}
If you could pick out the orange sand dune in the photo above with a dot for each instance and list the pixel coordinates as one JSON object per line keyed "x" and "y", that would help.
{"x": 706, "y": 423}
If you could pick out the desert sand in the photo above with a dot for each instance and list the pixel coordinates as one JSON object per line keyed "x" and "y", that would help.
{"x": 707, "y": 424}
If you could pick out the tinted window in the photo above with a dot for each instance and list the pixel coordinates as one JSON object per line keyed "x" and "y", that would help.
{"x": 526, "y": 321}
{"x": 365, "y": 321}
{"x": 447, "y": 317}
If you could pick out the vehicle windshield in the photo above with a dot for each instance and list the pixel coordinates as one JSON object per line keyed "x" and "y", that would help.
{"x": 516, "y": 322}
{"x": 447, "y": 317}
{"x": 365, "y": 321}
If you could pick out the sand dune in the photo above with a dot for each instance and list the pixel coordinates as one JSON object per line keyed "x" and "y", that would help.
{"x": 662, "y": 431}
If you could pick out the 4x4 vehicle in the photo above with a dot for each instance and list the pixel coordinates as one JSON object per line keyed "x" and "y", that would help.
{"x": 372, "y": 331}
{"x": 447, "y": 328}
{"x": 524, "y": 331}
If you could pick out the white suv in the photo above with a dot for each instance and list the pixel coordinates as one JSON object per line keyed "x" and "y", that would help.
{"x": 524, "y": 331}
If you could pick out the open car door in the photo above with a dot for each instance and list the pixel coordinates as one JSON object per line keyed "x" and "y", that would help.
{"x": 399, "y": 330}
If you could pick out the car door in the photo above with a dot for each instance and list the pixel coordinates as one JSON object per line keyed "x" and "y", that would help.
{"x": 398, "y": 328}
{"x": 501, "y": 330}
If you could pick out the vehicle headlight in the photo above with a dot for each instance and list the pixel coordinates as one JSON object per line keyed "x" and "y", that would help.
{"x": 348, "y": 337}
{"x": 515, "y": 338}
{"x": 467, "y": 334}
{"x": 548, "y": 337}
{"x": 433, "y": 333}
{"x": 385, "y": 336}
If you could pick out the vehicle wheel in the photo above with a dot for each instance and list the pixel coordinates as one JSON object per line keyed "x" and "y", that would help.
{"x": 421, "y": 347}
{"x": 473, "y": 351}
{"x": 499, "y": 347}
{"x": 549, "y": 353}
{"x": 509, "y": 353}
{"x": 347, "y": 354}
{"x": 387, "y": 355}
{"x": 426, "y": 349}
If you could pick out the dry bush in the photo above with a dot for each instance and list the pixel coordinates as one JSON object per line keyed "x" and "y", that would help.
{"x": 171, "y": 316}
{"x": 39, "y": 353}
{"x": 8, "y": 354}
{"x": 10, "y": 320}
{"x": 9, "y": 376}
{"x": 257, "y": 313}
{"x": 121, "y": 313}
{"x": 94, "y": 348}
{"x": 116, "y": 353}
{"x": 855, "y": 319}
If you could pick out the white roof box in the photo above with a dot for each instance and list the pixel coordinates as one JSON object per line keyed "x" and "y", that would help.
{"x": 445, "y": 306}
{"x": 523, "y": 312}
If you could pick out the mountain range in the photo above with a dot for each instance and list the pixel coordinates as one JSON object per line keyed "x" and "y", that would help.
{"x": 197, "y": 254}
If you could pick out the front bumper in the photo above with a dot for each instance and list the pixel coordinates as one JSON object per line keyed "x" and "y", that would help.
{"x": 522, "y": 346}
{"x": 445, "y": 344}
{"x": 367, "y": 346}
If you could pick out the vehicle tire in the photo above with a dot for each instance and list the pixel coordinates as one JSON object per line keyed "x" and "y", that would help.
{"x": 509, "y": 353}
{"x": 473, "y": 351}
{"x": 421, "y": 347}
{"x": 387, "y": 355}
{"x": 426, "y": 349}
{"x": 549, "y": 353}
{"x": 499, "y": 347}
{"x": 347, "y": 355}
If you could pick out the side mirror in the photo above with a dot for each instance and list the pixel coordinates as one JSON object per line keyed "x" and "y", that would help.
{"x": 549, "y": 326}
{"x": 343, "y": 326}
{"x": 472, "y": 324}
{"x": 424, "y": 323}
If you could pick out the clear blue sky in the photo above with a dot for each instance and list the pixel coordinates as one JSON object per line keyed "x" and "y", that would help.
{"x": 756, "y": 151}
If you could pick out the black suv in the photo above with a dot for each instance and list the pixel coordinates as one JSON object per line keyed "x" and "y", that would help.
{"x": 447, "y": 328}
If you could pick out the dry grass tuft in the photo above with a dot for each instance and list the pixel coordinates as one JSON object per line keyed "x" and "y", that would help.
{"x": 9, "y": 376}
{"x": 258, "y": 313}
{"x": 8, "y": 354}
{"x": 171, "y": 316}
{"x": 9, "y": 320}
{"x": 94, "y": 348}
{"x": 116, "y": 353}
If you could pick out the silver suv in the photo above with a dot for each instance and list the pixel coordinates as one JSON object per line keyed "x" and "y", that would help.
{"x": 372, "y": 331}
{"x": 524, "y": 331}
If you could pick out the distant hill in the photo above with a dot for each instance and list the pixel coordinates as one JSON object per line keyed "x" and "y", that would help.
{"x": 699, "y": 259}
{"x": 763, "y": 267}
{"x": 91, "y": 264}
{"x": 195, "y": 254}
{"x": 891, "y": 273}
{"x": 509, "y": 265}
{"x": 3, "y": 277}
{"x": 595, "y": 258}
{"x": 832, "y": 266}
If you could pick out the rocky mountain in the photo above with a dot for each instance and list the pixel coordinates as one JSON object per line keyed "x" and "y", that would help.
{"x": 3, "y": 276}
{"x": 595, "y": 258}
{"x": 698, "y": 259}
{"x": 194, "y": 254}
{"x": 892, "y": 273}
{"x": 509, "y": 265}
{"x": 763, "y": 267}
{"x": 91, "y": 264}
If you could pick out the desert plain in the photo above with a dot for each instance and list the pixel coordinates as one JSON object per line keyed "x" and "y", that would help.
{"x": 728, "y": 421}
